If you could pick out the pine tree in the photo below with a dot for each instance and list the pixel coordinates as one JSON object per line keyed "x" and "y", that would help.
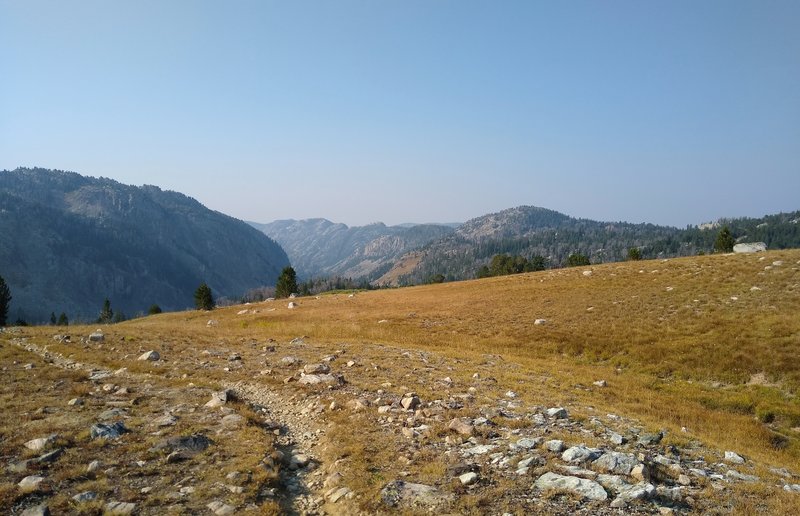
{"x": 5, "y": 301}
{"x": 106, "y": 314}
{"x": 154, "y": 309}
{"x": 725, "y": 241}
{"x": 62, "y": 320}
{"x": 634, "y": 254}
{"x": 203, "y": 299}
{"x": 287, "y": 283}
{"x": 52, "y": 318}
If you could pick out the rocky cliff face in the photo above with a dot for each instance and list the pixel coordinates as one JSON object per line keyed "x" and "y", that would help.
{"x": 68, "y": 241}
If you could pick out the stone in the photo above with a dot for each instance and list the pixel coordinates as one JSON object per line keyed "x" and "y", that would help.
{"x": 358, "y": 404}
{"x": 333, "y": 480}
{"x": 194, "y": 443}
{"x": 149, "y": 355}
{"x": 212, "y": 322}
{"x": 733, "y": 458}
{"x": 480, "y": 449}
{"x": 640, "y": 491}
{"x": 49, "y": 457}
{"x": 41, "y": 443}
{"x": 407, "y": 493}
{"x": 97, "y": 336}
{"x": 219, "y": 398}
{"x": 580, "y": 454}
{"x": 75, "y": 402}
{"x": 410, "y": 402}
{"x": 585, "y": 488}
{"x": 587, "y": 273}
{"x": 616, "y": 463}
{"x": 289, "y": 361}
{"x": 468, "y": 478}
{"x": 650, "y": 439}
{"x": 526, "y": 443}
{"x": 753, "y": 247}
{"x": 792, "y": 488}
{"x": 555, "y": 445}
{"x": 316, "y": 368}
{"x": 36, "y": 510}
{"x": 299, "y": 460}
{"x": 220, "y": 508}
{"x": 105, "y": 431}
{"x": 616, "y": 438}
{"x": 291, "y": 305}
{"x": 86, "y": 496}
{"x": 31, "y": 484}
{"x": 337, "y": 494}
{"x": 641, "y": 472}
{"x": 233, "y": 420}
{"x": 735, "y": 475}
{"x": 93, "y": 466}
{"x": 314, "y": 379}
{"x": 539, "y": 322}
{"x": 165, "y": 420}
{"x": 600, "y": 383}
{"x": 461, "y": 427}
{"x": 557, "y": 413}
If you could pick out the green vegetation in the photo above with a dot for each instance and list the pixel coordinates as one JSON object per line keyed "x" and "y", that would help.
{"x": 577, "y": 260}
{"x": 154, "y": 309}
{"x": 503, "y": 265}
{"x": 634, "y": 254}
{"x": 287, "y": 283}
{"x": 106, "y": 314}
{"x": 5, "y": 301}
{"x": 62, "y": 320}
{"x": 725, "y": 241}
{"x": 203, "y": 298}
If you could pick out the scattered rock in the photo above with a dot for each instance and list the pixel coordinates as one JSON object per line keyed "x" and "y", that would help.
{"x": 539, "y": 322}
{"x": 194, "y": 443}
{"x": 86, "y": 496}
{"x": 97, "y": 336}
{"x": 650, "y": 439}
{"x": 733, "y": 458}
{"x": 468, "y": 478}
{"x": 36, "y": 510}
{"x": 316, "y": 368}
{"x": 555, "y": 445}
{"x": 220, "y": 508}
{"x": 753, "y": 247}
{"x": 104, "y": 431}
{"x": 600, "y": 383}
{"x": 407, "y": 493}
{"x": 93, "y": 466}
{"x": 336, "y": 494}
{"x": 314, "y": 379}
{"x": 41, "y": 443}
{"x": 75, "y": 402}
{"x": 587, "y": 273}
{"x": 165, "y": 420}
{"x": 616, "y": 463}
{"x": 557, "y": 413}
{"x": 410, "y": 402}
{"x": 291, "y": 305}
{"x": 149, "y": 355}
{"x": 31, "y": 484}
{"x": 219, "y": 398}
{"x": 580, "y": 454}
{"x": 460, "y": 426}
{"x": 735, "y": 475}
{"x": 585, "y": 488}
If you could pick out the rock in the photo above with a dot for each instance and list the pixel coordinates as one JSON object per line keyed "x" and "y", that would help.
{"x": 616, "y": 463}
{"x": 97, "y": 336}
{"x": 600, "y": 383}
{"x": 586, "y": 489}
{"x": 616, "y": 438}
{"x": 41, "y": 443}
{"x": 232, "y": 420}
{"x": 220, "y": 508}
{"x": 650, "y": 439}
{"x": 86, "y": 496}
{"x": 480, "y": 449}
{"x": 526, "y": 443}
{"x": 735, "y": 475}
{"x": 555, "y": 445}
{"x": 410, "y": 402}
{"x": 75, "y": 402}
{"x": 291, "y": 305}
{"x": 316, "y": 368}
{"x": 104, "y": 431}
{"x": 298, "y": 461}
{"x": 194, "y": 443}
{"x": 640, "y": 472}
{"x": 460, "y": 426}
{"x": 31, "y": 484}
{"x": 753, "y": 247}
{"x": 219, "y": 398}
{"x": 49, "y": 457}
{"x": 733, "y": 458}
{"x": 640, "y": 491}
{"x": 93, "y": 466}
{"x": 336, "y": 494}
{"x": 165, "y": 420}
{"x": 149, "y": 355}
{"x": 468, "y": 478}
{"x": 792, "y": 488}
{"x": 407, "y": 493}
{"x": 539, "y": 322}
{"x": 314, "y": 379}
{"x": 587, "y": 273}
{"x": 289, "y": 361}
{"x": 580, "y": 454}
{"x": 557, "y": 413}
{"x": 212, "y": 322}
{"x": 511, "y": 394}
{"x": 36, "y": 510}
{"x": 333, "y": 480}
{"x": 530, "y": 461}
{"x": 359, "y": 404}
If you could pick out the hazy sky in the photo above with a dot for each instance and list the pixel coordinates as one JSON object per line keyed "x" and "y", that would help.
{"x": 672, "y": 112}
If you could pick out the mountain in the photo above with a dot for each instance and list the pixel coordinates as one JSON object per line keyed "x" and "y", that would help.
{"x": 319, "y": 247}
{"x": 530, "y": 230}
{"x": 67, "y": 242}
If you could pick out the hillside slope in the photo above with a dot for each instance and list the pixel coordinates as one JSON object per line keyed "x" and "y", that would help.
{"x": 319, "y": 247}
{"x": 67, "y": 242}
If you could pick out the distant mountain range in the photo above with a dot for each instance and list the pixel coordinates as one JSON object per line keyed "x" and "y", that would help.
{"x": 321, "y": 248}
{"x": 388, "y": 256}
{"x": 67, "y": 242}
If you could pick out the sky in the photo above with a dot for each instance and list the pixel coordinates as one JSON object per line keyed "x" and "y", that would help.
{"x": 674, "y": 112}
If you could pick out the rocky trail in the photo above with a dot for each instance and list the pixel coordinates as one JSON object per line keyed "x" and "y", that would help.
{"x": 347, "y": 431}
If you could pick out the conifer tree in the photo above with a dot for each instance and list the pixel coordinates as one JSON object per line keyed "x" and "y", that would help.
{"x": 62, "y": 320}
{"x": 287, "y": 283}
{"x": 5, "y": 301}
{"x": 52, "y": 318}
{"x": 106, "y": 314}
{"x": 725, "y": 241}
{"x": 203, "y": 298}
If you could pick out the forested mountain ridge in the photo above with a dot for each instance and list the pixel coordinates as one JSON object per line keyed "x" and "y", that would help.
{"x": 319, "y": 247}
{"x": 67, "y": 242}
{"x": 531, "y": 231}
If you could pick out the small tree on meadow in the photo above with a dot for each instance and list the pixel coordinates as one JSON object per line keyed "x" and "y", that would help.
{"x": 725, "y": 241}
{"x": 52, "y": 318}
{"x": 634, "y": 254}
{"x": 203, "y": 299}
{"x": 154, "y": 309}
{"x": 577, "y": 260}
{"x": 5, "y": 301}
{"x": 287, "y": 283}
{"x": 62, "y": 320}
{"x": 106, "y": 314}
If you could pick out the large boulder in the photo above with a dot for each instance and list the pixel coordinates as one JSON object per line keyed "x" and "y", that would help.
{"x": 585, "y": 488}
{"x": 616, "y": 463}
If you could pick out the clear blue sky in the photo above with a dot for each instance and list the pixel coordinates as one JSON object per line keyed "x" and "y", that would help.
{"x": 671, "y": 112}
